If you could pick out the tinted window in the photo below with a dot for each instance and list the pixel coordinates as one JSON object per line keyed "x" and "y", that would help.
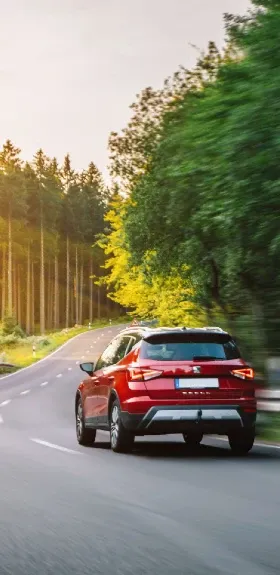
{"x": 113, "y": 353}
{"x": 121, "y": 349}
{"x": 134, "y": 339}
{"x": 107, "y": 357}
{"x": 183, "y": 347}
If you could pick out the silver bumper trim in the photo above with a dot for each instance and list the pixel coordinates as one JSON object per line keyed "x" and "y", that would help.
{"x": 196, "y": 414}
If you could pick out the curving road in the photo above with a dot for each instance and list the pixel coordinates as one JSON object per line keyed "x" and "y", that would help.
{"x": 69, "y": 510}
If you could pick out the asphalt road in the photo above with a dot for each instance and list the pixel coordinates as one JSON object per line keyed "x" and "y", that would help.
{"x": 69, "y": 510}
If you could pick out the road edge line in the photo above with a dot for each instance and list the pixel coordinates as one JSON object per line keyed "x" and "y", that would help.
{"x": 52, "y": 353}
{"x": 256, "y": 443}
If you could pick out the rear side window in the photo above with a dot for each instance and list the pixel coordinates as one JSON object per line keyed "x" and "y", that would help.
{"x": 189, "y": 347}
{"x": 113, "y": 353}
{"x": 121, "y": 349}
{"x": 135, "y": 338}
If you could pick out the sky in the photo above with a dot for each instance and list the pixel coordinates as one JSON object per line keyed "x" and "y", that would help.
{"x": 70, "y": 69}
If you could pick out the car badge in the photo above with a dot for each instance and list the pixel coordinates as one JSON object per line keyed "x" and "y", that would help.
{"x": 196, "y": 369}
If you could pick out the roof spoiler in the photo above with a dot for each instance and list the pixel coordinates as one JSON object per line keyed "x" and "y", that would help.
{"x": 161, "y": 334}
{"x": 214, "y": 329}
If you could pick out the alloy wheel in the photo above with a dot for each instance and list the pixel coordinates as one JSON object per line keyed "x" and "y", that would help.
{"x": 79, "y": 421}
{"x": 114, "y": 425}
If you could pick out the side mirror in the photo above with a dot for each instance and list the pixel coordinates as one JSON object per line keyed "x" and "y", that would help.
{"x": 88, "y": 367}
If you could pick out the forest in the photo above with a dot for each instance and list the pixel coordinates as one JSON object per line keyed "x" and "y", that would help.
{"x": 50, "y": 219}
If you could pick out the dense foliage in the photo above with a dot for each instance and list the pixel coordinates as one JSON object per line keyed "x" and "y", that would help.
{"x": 199, "y": 188}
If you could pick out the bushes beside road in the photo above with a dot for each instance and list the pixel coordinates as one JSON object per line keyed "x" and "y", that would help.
{"x": 18, "y": 351}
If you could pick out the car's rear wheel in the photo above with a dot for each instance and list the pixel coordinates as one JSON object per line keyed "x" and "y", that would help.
{"x": 120, "y": 438}
{"x": 85, "y": 436}
{"x": 241, "y": 442}
{"x": 193, "y": 439}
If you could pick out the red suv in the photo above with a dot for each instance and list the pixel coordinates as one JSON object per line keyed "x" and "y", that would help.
{"x": 162, "y": 381}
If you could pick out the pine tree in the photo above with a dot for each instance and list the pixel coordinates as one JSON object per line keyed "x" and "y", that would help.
{"x": 12, "y": 202}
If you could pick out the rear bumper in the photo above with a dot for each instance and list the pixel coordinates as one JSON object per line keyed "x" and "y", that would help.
{"x": 182, "y": 419}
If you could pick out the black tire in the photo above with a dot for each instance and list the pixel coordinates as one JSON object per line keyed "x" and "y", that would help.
{"x": 193, "y": 439}
{"x": 241, "y": 442}
{"x": 85, "y": 436}
{"x": 120, "y": 438}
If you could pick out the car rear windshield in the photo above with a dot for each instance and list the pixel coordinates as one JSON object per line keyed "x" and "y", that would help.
{"x": 189, "y": 347}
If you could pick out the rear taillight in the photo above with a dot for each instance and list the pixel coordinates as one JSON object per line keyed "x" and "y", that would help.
{"x": 137, "y": 374}
{"x": 245, "y": 373}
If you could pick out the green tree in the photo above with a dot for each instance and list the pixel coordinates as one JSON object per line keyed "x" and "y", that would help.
{"x": 210, "y": 197}
{"x": 44, "y": 203}
{"x": 131, "y": 151}
{"x": 69, "y": 178}
{"x": 12, "y": 200}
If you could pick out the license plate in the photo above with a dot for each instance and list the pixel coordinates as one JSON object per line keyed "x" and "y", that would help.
{"x": 197, "y": 383}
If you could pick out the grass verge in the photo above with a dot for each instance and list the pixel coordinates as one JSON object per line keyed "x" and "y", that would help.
{"x": 268, "y": 427}
{"x": 21, "y": 354}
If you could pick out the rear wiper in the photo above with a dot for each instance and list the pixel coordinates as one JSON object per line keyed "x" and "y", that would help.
{"x": 207, "y": 358}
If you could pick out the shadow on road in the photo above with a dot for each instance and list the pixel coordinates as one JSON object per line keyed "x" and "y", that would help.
{"x": 102, "y": 445}
{"x": 180, "y": 451}
{"x": 176, "y": 450}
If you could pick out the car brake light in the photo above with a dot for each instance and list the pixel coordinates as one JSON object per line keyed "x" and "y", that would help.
{"x": 137, "y": 374}
{"x": 245, "y": 373}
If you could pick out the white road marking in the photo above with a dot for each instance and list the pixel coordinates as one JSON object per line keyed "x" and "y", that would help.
{"x": 88, "y": 351}
{"x": 49, "y": 355}
{"x": 54, "y": 446}
{"x": 91, "y": 346}
{"x": 69, "y": 368}
{"x": 1, "y": 419}
{"x": 110, "y": 331}
{"x": 77, "y": 362}
{"x": 25, "y": 392}
{"x": 44, "y": 383}
{"x": 83, "y": 357}
{"x": 59, "y": 375}
{"x": 5, "y": 402}
{"x": 104, "y": 432}
{"x": 270, "y": 445}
